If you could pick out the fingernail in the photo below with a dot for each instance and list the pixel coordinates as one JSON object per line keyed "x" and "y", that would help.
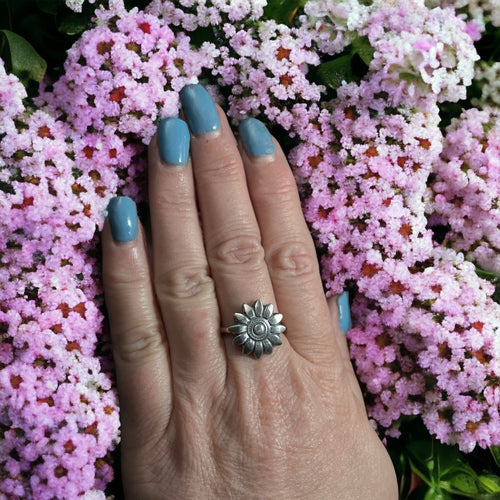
{"x": 173, "y": 139}
{"x": 122, "y": 214}
{"x": 199, "y": 109}
{"x": 255, "y": 137}
{"x": 344, "y": 312}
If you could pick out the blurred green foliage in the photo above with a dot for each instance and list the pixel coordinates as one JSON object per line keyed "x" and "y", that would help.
{"x": 430, "y": 470}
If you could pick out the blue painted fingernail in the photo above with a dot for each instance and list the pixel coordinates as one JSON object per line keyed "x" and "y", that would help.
{"x": 173, "y": 139}
{"x": 255, "y": 137}
{"x": 122, "y": 214}
{"x": 344, "y": 312}
{"x": 199, "y": 109}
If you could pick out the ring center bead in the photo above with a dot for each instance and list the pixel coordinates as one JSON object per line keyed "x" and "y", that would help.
{"x": 258, "y": 329}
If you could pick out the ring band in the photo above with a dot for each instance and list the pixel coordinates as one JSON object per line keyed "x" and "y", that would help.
{"x": 257, "y": 328}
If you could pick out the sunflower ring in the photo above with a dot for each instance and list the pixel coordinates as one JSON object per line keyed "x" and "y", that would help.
{"x": 257, "y": 328}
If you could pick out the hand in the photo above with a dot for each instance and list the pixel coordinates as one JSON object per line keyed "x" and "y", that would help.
{"x": 200, "y": 420}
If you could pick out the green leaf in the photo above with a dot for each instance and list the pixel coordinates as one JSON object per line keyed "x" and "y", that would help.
{"x": 495, "y": 452}
{"x": 490, "y": 277}
{"x": 333, "y": 73}
{"x": 448, "y": 458}
{"x": 363, "y": 48}
{"x": 410, "y": 77}
{"x": 463, "y": 483}
{"x": 402, "y": 467}
{"x": 434, "y": 461}
{"x": 425, "y": 493}
{"x": 489, "y": 483}
{"x": 72, "y": 23}
{"x": 48, "y": 6}
{"x": 438, "y": 494}
{"x": 420, "y": 454}
{"x": 282, "y": 11}
{"x": 25, "y": 62}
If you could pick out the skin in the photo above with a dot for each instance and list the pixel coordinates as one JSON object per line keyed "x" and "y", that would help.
{"x": 199, "y": 419}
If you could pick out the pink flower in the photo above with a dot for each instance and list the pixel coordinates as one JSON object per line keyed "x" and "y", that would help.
{"x": 465, "y": 192}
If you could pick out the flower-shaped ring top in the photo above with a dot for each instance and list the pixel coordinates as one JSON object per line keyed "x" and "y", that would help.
{"x": 257, "y": 329}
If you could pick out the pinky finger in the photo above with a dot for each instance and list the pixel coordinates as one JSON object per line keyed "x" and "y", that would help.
{"x": 137, "y": 334}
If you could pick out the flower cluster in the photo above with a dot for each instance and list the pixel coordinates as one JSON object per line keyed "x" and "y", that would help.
{"x": 420, "y": 50}
{"x": 439, "y": 358}
{"x": 465, "y": 188}
{"x": 58, "y": 412}
{"x": 261, "y": 68}
{"x": 192, "y": 14}
{"x": 335, "y": 23}
{"x": 265, "y": 68}
{"x": 364, "y": 194}
{"x": 426, "y": 326}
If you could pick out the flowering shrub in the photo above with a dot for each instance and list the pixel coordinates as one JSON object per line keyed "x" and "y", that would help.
{"x": 404, "y": 212}
{"x": 59, "y": 414}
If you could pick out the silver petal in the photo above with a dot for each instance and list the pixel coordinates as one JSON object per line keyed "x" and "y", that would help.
{"x": 275, "y": 340}
{"x": 268, "y": 311}
{"x": 258, "y": 307}
{"x": 241, "y": 318}
{"x": 248, "y": 346}
{"x": 249, "y": 311}
{"x": 275, "y": 318}
{"x": 268, "y": 347}
{"x": 236, "y": 329}
{"x": 240, "y": 339}
{"x": 278, "y": 328}
{"x": 258, "y": 350}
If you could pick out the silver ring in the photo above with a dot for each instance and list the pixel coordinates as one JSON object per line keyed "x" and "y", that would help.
{"x": 257, "y": 328}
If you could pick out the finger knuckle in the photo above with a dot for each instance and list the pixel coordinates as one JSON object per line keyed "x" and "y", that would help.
{"x": 137, "y": 343}
{"x": 294, "y": 260}
{"x": 227, "y": 166}
{"x": 282, "y": 189}
{"x": 130, "y": 274}
{"x": 184, "y": 282}
{"x": 164, "y": 202}
{"x": 116, "y": 282}
{"x": 242, "y": 249}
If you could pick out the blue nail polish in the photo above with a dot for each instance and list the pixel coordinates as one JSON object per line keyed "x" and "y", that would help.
{"x": 122, "y": 214}
{"x": 344, "y": 312}
{"x": 173, "y": 139}
{"x": 199, "y": 109}
{"x": 255, "y": 137}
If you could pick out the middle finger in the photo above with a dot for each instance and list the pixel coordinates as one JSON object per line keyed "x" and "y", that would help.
{"x": 231, "y": 232}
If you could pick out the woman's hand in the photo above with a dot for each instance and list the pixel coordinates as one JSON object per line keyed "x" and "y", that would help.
{"x": 199, "y": 418}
